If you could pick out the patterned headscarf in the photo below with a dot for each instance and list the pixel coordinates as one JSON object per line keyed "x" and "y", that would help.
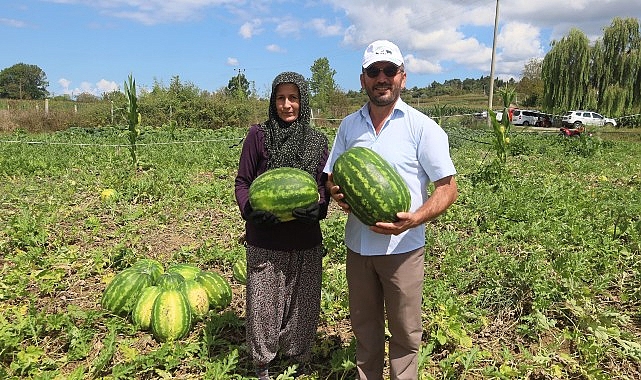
{"x": 294, "y": 144}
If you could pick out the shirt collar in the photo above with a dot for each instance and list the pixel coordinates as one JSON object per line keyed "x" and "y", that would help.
{"x": 400, "y": 108}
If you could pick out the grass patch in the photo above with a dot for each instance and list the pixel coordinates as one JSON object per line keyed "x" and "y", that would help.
{"x": 534, "y": 276}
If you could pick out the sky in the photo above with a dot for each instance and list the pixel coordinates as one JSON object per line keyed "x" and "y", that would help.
{"x": 92, "y": 46}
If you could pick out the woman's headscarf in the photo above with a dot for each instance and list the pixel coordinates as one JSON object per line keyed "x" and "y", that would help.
{"x": 294, "y": 144}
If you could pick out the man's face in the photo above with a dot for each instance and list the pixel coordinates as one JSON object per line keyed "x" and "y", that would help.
{"x": 383, "y": 82}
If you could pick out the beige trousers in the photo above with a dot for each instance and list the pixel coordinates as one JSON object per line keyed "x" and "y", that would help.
{"x": 392, "y": 286}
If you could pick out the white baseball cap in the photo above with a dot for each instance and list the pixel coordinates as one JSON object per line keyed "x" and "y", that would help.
{"x": 382, "y": 50}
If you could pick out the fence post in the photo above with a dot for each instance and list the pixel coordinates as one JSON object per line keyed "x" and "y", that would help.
{"x": 47, "y": 106}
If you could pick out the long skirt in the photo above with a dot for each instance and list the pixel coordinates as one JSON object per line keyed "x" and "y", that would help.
{"x": 283, "y": 302}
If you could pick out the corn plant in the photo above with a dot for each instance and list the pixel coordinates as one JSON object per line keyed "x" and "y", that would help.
{"x": 133, "y": 117}
{"x": 439, "y": 112}
{"x": 501, "y": 129}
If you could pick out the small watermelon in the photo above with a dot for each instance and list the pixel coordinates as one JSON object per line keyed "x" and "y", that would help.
{"x": 239, "y": 271}
{"x": 281, "y": 190}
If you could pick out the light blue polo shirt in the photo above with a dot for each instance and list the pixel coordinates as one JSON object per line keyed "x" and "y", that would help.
{"x": 417, "y": 147}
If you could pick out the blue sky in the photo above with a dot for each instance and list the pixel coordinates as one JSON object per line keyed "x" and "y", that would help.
{"x": 93, "y": 45}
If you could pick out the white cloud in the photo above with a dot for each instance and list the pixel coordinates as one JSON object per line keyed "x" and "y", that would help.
{"x": 105, "y": 86}
{"x": 232, "y": 61}
{"x": 321, "y": 27}
{"x": 97, "y": 89}
{"x": 64, "y": 83}
{"x": 250, "y": 28}
{"x": 455, "y": 32}
{"x": 275, "y": 48}
{"x": 12, "y": 23}
{"x": 288, "y": 27}
{"x": 421, "y": 66}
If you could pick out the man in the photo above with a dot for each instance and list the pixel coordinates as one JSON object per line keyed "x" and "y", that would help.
{"x": 385, "y": 262}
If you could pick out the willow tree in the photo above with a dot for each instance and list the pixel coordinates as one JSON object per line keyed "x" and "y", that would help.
{"x": 617, "y": 67}
{"x": 566, "y": 72}
{"x": 604, "y": 77}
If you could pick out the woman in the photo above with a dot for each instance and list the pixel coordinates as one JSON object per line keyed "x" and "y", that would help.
{"x": 284, "y": 260}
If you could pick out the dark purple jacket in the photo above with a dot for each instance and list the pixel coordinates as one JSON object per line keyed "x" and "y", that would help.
{"x": 286, "y": 236}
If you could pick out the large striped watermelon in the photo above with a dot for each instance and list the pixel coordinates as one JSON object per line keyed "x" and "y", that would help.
{"x": 374, "y": 191}
{"x": 141, "y": 314}
{"x": 122, "y": 292}
{"x": 217, "y": 287}
{"x": 170, "y": 315}
{"x": 281, "y": 190}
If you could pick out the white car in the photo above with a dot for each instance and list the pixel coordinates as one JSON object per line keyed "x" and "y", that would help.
{"x": 575, "y": 119}
{"x": 525, "y": 117}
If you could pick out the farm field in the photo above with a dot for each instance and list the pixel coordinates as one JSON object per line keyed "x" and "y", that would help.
{"x": 531, "y": 275}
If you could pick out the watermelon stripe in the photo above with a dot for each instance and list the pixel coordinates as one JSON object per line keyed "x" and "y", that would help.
{"x": 197, "y": 297}
{"x": 122, "y": 292}
{"x": 281, "y": 190}
{"x": 171, "y": 315}
{"x": 218, "y": 289}
{"x": 141, "y": 313}
{"x": 371, "y": 186}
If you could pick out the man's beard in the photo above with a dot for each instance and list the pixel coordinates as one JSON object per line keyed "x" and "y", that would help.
{"x": 383, "y": 100}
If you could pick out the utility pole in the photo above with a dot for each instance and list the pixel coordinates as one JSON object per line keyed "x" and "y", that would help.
{"x": 489, "y": 106}
{"x": 239, "y": 90}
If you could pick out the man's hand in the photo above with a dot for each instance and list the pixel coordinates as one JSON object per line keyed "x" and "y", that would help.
{"x": 444, "y": 194}
{"x": 335, "y": 192}
{"x": 406, "y": 220}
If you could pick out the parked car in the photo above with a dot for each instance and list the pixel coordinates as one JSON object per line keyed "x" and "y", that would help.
{"x": 525, "y": 117}
{"x": 578, "y": 118}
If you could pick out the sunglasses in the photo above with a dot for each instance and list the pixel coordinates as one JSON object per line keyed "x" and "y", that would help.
{"x": 389, "y": 71}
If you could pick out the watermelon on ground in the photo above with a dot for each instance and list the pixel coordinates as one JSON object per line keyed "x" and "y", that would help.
{"x": 239, "y": 271}
{"x": 122, "y": 292}
{"x": 151, "y": 266}
{"x": 141, "y": 314}
{"x": 188, "y": 271}
{"x": 170, "y": 280}
{"x": 170, "y": 315}
{"x": 197, "y": 297}
{"x": 217, "y": 288}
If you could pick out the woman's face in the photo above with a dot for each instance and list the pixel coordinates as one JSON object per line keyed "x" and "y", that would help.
{"x": 287, "y": 102}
